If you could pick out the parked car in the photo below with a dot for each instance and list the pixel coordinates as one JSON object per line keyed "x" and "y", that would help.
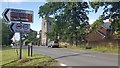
{"x": 53, "y": 44}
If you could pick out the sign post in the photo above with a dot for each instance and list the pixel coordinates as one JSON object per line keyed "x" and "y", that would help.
{"x": 21, "y": 44}
{"x": 28, "y": 50}
{"x": 31, "y": 49}
{"x": 18, "y": 15}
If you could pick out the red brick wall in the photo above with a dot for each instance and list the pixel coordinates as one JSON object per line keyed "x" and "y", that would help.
{"x": 94, "y": 36}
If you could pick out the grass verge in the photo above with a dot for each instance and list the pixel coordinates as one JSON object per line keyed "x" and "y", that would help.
{"x": 106, "y": 50}
{"x": 11, "y": 58}
{"x": 98, "y": 49}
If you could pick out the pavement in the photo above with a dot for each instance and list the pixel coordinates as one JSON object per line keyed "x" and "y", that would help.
{"x": 69, "y": 57}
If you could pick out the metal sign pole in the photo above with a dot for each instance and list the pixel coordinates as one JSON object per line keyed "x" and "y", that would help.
{"x": 31, "y": 50}
{"x": 28, "y": 50}
{"x": 21, "y": 44}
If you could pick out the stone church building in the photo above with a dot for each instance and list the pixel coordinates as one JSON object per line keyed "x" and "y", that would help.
{"x": 46, "y": 27}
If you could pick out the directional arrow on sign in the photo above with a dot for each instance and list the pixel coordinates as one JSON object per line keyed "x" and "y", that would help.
{"x": 11, "y": 27}
{"x": 6, "y": 14}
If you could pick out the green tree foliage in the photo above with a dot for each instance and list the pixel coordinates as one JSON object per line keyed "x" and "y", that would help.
{"x": 70, "y": 19}
{"x": 96, "y": 25}
{"x": 116, "y": 27}
{"x": 31, "y": 37}
{"x": 112, "y": 12}
{"x": 6, "y": 33}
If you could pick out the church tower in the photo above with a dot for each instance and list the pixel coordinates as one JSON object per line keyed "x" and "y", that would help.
{"x": 46, "y": 27}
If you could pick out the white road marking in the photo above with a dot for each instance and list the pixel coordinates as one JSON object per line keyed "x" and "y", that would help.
{"x": 89, "y": 55}
{"x": 61, "y": 64}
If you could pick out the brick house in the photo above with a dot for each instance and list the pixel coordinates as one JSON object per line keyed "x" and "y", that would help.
{"x": 102, "y": 33}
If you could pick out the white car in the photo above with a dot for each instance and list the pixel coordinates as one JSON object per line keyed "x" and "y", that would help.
{"x": 53, "y": 44}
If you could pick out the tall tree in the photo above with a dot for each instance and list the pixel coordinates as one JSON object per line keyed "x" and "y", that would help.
{"x": 96, "y": 25}
{"x": 31, "y": 37}
{"x": 73, "y": 15}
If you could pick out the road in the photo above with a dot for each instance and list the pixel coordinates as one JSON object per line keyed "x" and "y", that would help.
{"x": 68, "y": 57}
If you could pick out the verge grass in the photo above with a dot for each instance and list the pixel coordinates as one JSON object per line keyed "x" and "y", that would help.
{"x": 95, "y": 49}
{"x": 0, "y": 57}
{"x": 106, "y": 50}
{"x": 11, "y": 58}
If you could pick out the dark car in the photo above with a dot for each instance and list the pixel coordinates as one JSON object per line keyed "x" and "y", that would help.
{"x": 53, "y": 44}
